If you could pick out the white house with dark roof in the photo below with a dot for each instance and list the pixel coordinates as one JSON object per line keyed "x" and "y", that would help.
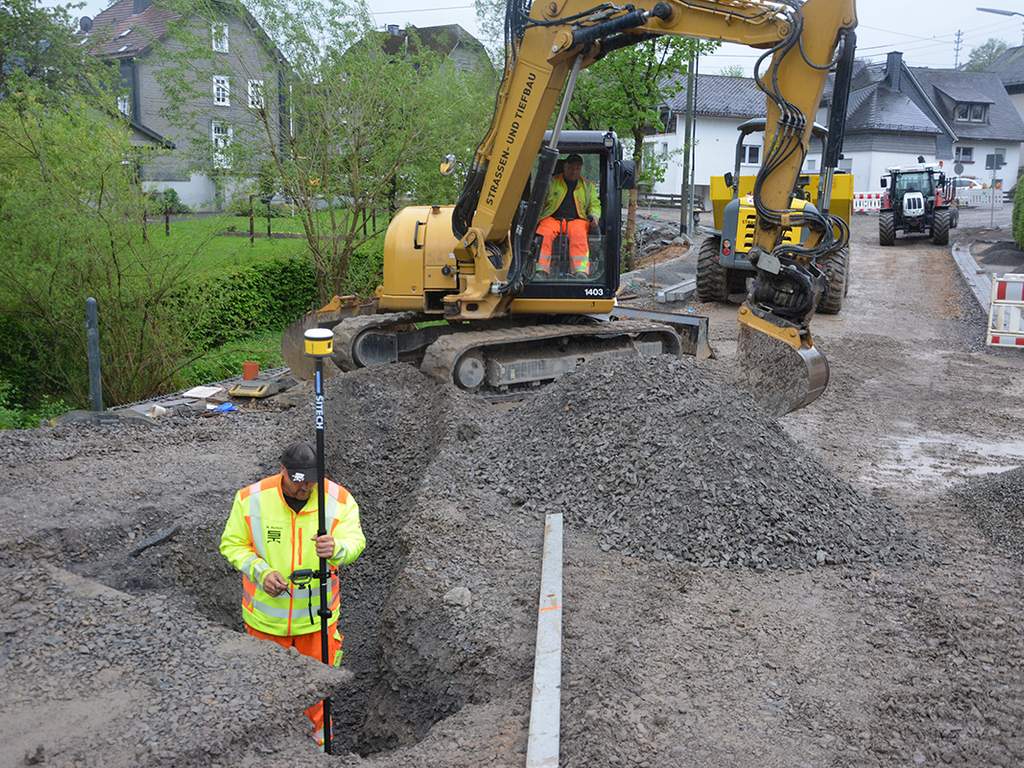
{"x": 722, "y": 103}
{"x": 895, "y": 115}
{"x": 1010, "y": 68}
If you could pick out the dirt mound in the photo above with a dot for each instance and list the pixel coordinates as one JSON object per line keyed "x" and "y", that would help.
{"x": 667, "y": 460}
{"x": 657, "y": 462}
{"x": 996, "y": 504}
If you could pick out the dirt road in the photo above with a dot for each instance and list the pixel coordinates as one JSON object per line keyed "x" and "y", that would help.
{"x": 885, "y": 663}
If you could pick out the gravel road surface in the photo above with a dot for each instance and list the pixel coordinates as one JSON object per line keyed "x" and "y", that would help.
{"x": 835, "y": 588}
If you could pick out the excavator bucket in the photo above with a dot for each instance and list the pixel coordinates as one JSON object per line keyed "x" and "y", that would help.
{"x": 779, "y": 366}
{"x": 293, "y": 348}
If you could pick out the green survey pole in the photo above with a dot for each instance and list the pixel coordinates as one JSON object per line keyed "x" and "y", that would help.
{"x": 319, "y": 344}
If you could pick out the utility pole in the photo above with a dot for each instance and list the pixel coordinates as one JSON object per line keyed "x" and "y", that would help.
{"x": 959, "y": 46}
{"x": 684, "y": 191}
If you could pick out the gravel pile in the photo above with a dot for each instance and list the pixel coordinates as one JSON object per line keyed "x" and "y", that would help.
{"x": 667, "y": 460}
{"x": 93, "y": 676}
{"x": 996, "y": 503}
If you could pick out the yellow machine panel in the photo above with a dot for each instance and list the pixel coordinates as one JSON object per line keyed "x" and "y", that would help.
{"x": 415, "y": 263}
{"x": 842, "y": 195}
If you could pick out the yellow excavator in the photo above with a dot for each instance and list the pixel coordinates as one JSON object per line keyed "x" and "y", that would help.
{"x": 462, "y": 294}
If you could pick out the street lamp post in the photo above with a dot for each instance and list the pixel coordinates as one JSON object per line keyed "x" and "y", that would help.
{"x": 1001, "y": 12}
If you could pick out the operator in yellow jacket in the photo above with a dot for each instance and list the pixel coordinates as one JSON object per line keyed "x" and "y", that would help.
{"x": 271, "y": 534}
{"x": 572, "y": 207}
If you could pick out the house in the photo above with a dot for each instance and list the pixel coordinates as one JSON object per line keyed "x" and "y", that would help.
{"x": 951, "y": 117}
{"x": 1010, "y": 68}
{"x": 721, "y": 104}
{"x": 896, "y": 114}
{"x": 222, "y": 107}
{"x": 449, "y": 40}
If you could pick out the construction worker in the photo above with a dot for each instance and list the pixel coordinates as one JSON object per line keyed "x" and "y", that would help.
{"x": 572, "y": 208}
{"x": 271, "y": 534}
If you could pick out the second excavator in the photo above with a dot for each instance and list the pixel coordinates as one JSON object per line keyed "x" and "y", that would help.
{"x": 475, "y": 296}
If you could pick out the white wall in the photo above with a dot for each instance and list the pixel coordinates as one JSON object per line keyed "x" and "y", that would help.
{"x": 199, "y": 193}
{"x": 976, "y": 170}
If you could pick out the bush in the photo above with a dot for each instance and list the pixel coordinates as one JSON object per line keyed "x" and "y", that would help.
{"x": 1018, "y": 215}
{"x": 166, "y": 201}
{"x": 16, "y": 416}
{"x": 239, "y": 206}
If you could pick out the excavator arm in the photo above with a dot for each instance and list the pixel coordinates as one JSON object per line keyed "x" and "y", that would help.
{"x": 550, "y": 41}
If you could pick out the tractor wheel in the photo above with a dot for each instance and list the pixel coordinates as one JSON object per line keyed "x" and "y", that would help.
{"x": 836, "y": 271}
{"x": 886, "y": 228}
{"x": 712, "y": 277}
{"x": 940, "y": 227}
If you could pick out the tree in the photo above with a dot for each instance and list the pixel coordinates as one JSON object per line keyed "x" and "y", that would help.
{"x": 72, "y": 226}
{"x": 625, "y": 90}
{"x": 365, "y": 128}
{"x": 733, "y": 70}
{"x": 984, "y": 55}
{"x": 41, "y": 44}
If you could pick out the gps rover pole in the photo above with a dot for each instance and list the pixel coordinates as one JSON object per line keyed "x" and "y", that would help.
{"x": 320, "y": 344}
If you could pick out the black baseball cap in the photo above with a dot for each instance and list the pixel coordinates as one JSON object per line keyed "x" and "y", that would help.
{"x": 574, "y": 158}
{"x": 299, "y": 460}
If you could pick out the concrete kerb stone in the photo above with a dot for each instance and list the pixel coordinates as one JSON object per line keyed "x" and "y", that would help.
{"x": 979, "y": 281}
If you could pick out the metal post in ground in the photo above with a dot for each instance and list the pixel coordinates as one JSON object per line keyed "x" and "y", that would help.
{"x": 319, "y": 344}
{"x": 167, "y": 222}
{"x": 252, "y": 223}
{"x": 684, "y": 191}
{"x": 92, "y": 337}
{"x": 268, "y": 218}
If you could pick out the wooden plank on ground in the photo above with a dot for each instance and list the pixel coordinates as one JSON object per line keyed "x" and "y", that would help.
{"x": 545, "y": 709}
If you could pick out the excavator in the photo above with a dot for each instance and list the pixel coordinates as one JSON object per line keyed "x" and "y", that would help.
{"x": 462, "y": 294}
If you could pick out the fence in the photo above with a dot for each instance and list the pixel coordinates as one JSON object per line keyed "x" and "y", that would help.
{"x": 868, "y": 202}
{"x": 980, "y": 198}
{"x": 1006, "y": 313}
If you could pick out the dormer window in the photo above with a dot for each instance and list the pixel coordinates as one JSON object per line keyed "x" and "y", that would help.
{"x": 973, "y": 113}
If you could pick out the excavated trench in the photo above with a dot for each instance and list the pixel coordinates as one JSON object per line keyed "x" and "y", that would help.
{"x": 660, "y": 463}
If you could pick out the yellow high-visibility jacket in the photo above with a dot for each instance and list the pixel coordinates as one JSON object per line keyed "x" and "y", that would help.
{"x": 585, "y": 195}
{"x": 263, "y": 534}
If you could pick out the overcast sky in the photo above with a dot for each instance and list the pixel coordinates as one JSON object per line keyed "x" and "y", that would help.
{"x": 923, "y": 30}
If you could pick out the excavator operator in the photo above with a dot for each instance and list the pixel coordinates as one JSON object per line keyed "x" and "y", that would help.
{"x": 572, "y": 208}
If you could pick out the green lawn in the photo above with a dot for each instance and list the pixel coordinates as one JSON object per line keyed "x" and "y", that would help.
{"x": 216, "y": 252}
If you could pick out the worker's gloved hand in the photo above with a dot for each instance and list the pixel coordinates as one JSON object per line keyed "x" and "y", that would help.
{"x": 593, "y": 223}
{"x": 324, "y": 545}
{"x": 274, "y": 584}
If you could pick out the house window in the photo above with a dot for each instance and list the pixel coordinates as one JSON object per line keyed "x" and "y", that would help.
{"x": 812, "y": 164}
{"x": 221, "y": 91}
{"x": 965, "y": 154}
{"x": 219, "y": 37}
{"x": 255, "y": 94}
{"x": 975, "y": 113}
{"x": 751, "y": 155}
{"x": 221, "y": 134}
{"x": 124, "y": 105}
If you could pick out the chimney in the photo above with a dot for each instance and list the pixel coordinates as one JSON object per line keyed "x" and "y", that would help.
{"x": 894, "y": 70}
{"x": 394, "y": 30}
{"x": 138, "y": 6}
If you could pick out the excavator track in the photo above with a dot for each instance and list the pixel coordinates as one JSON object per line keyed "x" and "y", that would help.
{"x": 506, "y": 358}
{"x": 348, "y": 331}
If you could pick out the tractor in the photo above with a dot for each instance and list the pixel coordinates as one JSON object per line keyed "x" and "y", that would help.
{"x": 918, "y": 198}
{"x": 722, "y": 264}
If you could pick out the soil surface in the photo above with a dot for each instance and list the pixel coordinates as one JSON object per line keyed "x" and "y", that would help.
{"x": 834, "y": 588}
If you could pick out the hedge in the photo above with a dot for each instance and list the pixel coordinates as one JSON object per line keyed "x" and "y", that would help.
{"x": 1018, "y": 215}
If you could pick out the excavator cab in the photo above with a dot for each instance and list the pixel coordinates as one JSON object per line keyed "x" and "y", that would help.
{"x": 605, "y": 168}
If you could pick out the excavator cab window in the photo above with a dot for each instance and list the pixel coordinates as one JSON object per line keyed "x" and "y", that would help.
{"x": 577, "y": 246}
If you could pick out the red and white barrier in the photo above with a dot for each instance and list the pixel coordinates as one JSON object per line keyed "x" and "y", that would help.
{"x": 868, "y": 202}
{"x": 1006, "y": 313}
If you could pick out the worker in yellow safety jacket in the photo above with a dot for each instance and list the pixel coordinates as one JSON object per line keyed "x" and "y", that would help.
{"x": 271, "y": 534}
{"x": 572, "y": 207}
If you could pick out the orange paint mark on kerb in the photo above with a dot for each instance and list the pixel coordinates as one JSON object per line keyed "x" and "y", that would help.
{"x": 550, "y": 608}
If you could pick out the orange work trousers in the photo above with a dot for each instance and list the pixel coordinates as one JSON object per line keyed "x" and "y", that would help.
{"x": 309, "y": 645}
{"x": 579, "y": 246}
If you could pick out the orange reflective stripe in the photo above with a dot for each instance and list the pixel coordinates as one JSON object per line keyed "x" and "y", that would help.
{"x": 269, "y": 482}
